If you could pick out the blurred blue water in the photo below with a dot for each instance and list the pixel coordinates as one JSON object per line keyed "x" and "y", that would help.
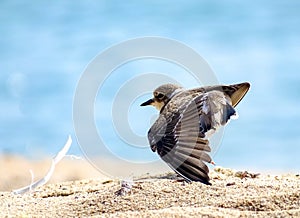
{"x": 46, "y": 46}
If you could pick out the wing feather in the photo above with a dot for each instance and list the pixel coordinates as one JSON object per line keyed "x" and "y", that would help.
{"x": 179, "y": 134}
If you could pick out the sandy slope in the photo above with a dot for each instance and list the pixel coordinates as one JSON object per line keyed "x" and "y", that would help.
{"x": 231, "y": 194}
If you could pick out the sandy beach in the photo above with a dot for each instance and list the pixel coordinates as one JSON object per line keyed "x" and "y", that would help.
{"x": 87, "y": 193}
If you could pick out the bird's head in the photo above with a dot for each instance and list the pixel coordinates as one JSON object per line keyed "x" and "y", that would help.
{"x": 162, "y": 95}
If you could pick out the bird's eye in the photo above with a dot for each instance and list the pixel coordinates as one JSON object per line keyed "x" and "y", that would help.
{"x": 159, "y": 96}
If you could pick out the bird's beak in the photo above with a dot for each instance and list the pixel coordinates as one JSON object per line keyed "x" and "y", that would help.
{"x": 149, "y": 102}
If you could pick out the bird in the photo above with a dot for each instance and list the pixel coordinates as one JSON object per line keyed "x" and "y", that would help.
{"x": 187, "y": 119}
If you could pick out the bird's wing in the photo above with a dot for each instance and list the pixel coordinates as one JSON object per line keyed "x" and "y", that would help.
{"x": 236, "y": 92}
{"x": 179, "y": 135}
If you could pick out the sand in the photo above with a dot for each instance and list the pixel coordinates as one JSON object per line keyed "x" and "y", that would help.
{"x": 15, "y": 171}
{"x": 232, "y": 194}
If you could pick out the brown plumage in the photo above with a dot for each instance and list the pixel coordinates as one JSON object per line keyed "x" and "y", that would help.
{"x": 187, "y": 119}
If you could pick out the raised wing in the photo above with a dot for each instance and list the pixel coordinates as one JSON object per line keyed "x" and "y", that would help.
{"x": 236, "y": 92}
{"x": 180, "y": 133}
